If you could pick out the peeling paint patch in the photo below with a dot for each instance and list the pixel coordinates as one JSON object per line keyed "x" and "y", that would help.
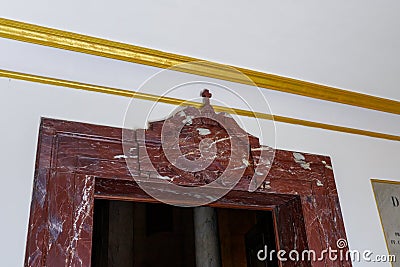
{"x": 125, "y": 157}
{"x": 301, "y": 160}
{"x": 305, "y": 166}
{"x": 120, "y": 157}
{"x": 261, "y": 148}
{"x": 298, "y": 156}
{"x": 267, "y": 186}
{"x": 164, "y": 178}
{"x": 188, "y": 120}
{"x": 203, "y": 131}
{"x": 327, "y": 165}
{"x": 319, "y": 183}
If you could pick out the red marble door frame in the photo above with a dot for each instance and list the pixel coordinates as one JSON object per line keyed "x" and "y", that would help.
{"x": 76, "y": 163}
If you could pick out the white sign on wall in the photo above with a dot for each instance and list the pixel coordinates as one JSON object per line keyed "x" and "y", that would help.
{"x": 387, "y": 196}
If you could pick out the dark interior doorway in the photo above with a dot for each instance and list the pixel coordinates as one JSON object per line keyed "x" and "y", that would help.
{"x": 127, "y": 234}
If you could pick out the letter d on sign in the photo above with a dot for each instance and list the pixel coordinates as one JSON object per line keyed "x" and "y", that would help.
{"x": 395, "y": 201}
{"x": 263, "y": 258}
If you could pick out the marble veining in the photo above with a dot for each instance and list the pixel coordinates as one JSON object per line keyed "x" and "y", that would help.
{"x": 78, "y": 161}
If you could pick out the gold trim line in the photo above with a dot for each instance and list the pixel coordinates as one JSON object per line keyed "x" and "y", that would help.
{"x": 176, "y": 101}
{"x": 30, "y": 33}
{"x": 385, "y": 181}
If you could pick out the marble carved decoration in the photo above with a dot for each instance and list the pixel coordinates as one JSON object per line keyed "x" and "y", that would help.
{"x": 78, "y": 162}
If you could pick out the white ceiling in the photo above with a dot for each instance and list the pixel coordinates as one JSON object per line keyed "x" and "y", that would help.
{"x": 353, "y": 45}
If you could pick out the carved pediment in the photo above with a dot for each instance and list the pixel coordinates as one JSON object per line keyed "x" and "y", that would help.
{"x": 196, "y": 146}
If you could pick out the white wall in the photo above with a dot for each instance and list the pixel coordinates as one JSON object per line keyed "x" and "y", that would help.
{"x": 349, "y": 44}
{"x": 352, "y": 45}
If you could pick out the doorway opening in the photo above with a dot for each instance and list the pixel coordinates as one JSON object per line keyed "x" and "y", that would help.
{"x": 127, "y": 233}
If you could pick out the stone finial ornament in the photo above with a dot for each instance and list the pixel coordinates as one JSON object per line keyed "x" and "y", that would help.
{"x": 206, "y": 95}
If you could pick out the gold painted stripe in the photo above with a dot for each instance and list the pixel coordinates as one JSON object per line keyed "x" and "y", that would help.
{"x": 385, "y": 181}
{"x": 105, "y": 48}
{"x": 176, "y": 101}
